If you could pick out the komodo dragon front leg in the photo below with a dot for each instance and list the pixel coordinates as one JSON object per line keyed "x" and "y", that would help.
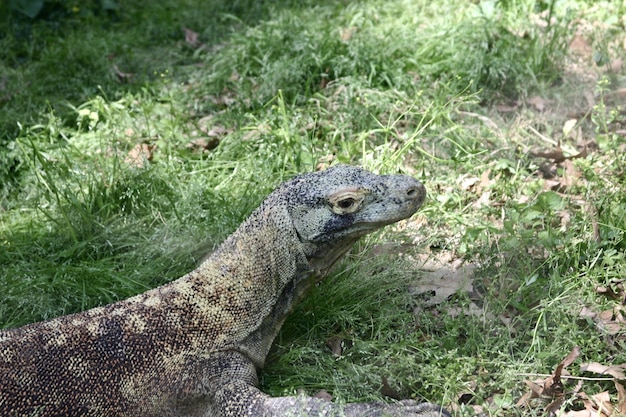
{"x": 193, "y": 347}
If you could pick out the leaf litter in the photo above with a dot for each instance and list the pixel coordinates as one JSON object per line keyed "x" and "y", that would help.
{"x": 563, "y": 399}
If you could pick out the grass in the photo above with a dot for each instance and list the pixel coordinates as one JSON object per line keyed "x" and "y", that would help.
{"x": 111, "y": 184}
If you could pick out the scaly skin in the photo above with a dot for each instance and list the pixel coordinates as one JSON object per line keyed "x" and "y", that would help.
{"x": 193, "y": 347}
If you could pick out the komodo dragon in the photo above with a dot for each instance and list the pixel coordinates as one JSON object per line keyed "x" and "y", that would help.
{"x": 192, "y": 347}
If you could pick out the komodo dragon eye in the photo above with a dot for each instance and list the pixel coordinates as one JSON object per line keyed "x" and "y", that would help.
{"x": 345, "y": 202}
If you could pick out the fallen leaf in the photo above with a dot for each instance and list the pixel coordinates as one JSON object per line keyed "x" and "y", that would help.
{"x": 191, "y": 37}
{"x": 469, "y": 182}
{"x": 217, "y": 130}
{"x": 568, "y": 126}
{"x": 346, "y": 33}
{"x": 551, "y": 388}
{"x": 616, "y": 371}
{"x": 335, "y": 344}
{"x": 614, "y": 290}
{"x": 388, "y": 391}
{"x": 324, "y": 395}
{"x": 554, "y": 406}
{"x": 555, "y": 154}
{"x": 621, "y": 398}
{"x": 580, "y": 413}
{"x": 440, "y": 284}
{"x": 537, "y": 102}
{"x": 140, "y": 154}
{"x": 484, "y": 200}
{"x": 586, "y": 312}
{"x": 508, "y": 107}
{"x": 615, "y": 66}
{"x": 602, "y": 402}
{"x": 580, "y": 46}
{"x": 558, "y": 155}
{"x": 553, "y": 385}
{"x": 484, "y": 179}
{"x": 615, "y": 96}
{"x": 206, "y": 144}
{"x": 571, "y": 175}
{"x": 122, "y": 76}
{"x": 609, "y": 322}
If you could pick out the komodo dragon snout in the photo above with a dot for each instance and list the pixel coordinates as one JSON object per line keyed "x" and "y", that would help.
{"x": 193, "y": 347}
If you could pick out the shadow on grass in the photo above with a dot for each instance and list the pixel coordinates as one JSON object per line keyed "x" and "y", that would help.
{"x": 66, "y": 55}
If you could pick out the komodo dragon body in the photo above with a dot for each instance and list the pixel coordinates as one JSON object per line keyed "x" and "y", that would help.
{"x": 193, "y": 347}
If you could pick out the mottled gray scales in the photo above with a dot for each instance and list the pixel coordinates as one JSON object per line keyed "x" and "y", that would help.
{"x": 193, "y": 347}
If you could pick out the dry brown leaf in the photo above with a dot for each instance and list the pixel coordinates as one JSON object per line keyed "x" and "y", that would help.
{"x": 586, "y": 312}
{"x": 610, "y": 322}
{"x": 346, "y": 33}
{"x": 444, "y": 282}
{"x": 484, "y": 179}
{"x": 554, "y": 406}
{"x": 621, "y": 398}
{"x": 536, "y": 391}
{"x": 615, "y": 96}
{"x": 602, "y": 401}
{"x": 217, "y": 131}
{"x": 324, "y": 395}
{"x": 616, "y": 371}
{"x": 388, "y": 391}
{"x": 335, "y": 344}
{"x": 140, "y": 154}
{"x": 615, "y": 66}
{"x": 206, "y": 144}
{"x": 536, "y": 388}
{"x": 122, "y": 76}
{"x": 191, "y": 37}
{"x": 507, "y": 107}
{"x": 539, "y": 103}
{"x": 565, "y": 217}
{"x": 614, "y": 290}
{"x": 469, "y": 182}
{"x": 551, "y": 387}
{"x": 484, "y": 200}
{"x": 571, "y": 175}
{"x": 525, "y": 399}
{"x": 580, "y": 413}
{"x": 557, "y": 154}
{"x": 580, "y": 46}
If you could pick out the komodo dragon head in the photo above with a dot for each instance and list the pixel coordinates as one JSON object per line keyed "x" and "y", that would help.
{"x": 332, "y": 209}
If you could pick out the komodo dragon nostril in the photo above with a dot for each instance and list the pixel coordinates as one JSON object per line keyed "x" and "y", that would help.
{"x": 412, "y": 192}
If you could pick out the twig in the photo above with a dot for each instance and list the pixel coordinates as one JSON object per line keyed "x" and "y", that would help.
{"x": 584, "y": 378}
{"x": 542, "y": 136}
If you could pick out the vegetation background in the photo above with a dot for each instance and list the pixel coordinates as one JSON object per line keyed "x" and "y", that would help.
{"x": 135, "y": 136}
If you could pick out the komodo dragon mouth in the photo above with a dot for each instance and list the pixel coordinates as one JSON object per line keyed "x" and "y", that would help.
{"x": 193, "y": 347}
